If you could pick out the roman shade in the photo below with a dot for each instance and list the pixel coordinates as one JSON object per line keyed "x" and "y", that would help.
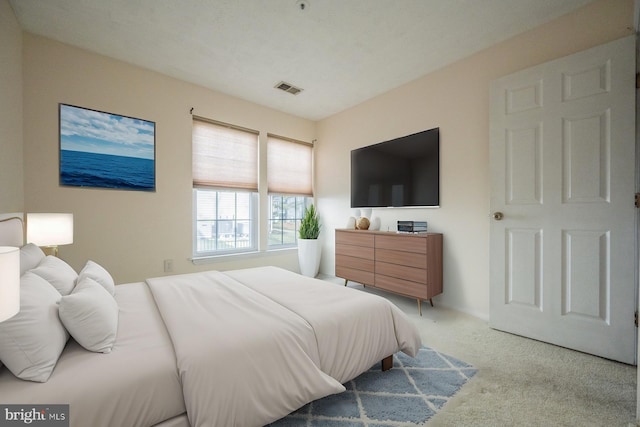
{"x": 289, "y": 166}
{"x": 224, "y": 156}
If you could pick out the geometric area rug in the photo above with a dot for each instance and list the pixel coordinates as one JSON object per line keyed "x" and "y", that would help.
{"x": 407, "y": 395}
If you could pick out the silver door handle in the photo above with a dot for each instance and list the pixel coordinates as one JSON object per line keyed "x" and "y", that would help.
{"x": 498, "y": 216}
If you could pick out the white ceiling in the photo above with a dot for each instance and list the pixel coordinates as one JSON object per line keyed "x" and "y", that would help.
{"x": 341, "y": 52}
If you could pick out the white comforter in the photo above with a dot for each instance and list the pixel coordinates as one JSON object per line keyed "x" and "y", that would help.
{"x": 253, "y": 345}
{"x": 354, "y": 329}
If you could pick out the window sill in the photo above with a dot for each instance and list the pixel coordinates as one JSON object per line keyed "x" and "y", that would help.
{"x": 212, "y": 259}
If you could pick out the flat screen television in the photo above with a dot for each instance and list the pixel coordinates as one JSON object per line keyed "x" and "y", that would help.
{"x": 402, "y": 172}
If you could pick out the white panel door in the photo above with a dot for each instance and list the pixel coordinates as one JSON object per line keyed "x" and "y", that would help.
{"x": 562, "y": 186}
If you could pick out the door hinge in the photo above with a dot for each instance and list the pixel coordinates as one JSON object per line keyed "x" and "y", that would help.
{"x": 636, "y": 318}
{"x": 637, "y": 200}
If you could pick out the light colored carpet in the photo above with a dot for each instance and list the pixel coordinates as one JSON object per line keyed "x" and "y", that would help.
{"x": 520, "y": 382}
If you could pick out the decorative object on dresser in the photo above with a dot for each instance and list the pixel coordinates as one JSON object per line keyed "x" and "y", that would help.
{"x": 363, "y": 223}
{"x": 412, "y": 226}
{"x": 363, "y": 220}
{"x": 375, "y": 224}
{"x": 309, "y": 249}
{"x": 405, "y": 264}
{"x": 351, "y": 223}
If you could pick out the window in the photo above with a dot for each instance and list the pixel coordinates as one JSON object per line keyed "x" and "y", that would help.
{"x": 225, "y": 185}
{"x": 285, "y": 213}
{"x": 224, "y": 221}
{"x": 226, "y": 189}
{"x": 289, "y": 181}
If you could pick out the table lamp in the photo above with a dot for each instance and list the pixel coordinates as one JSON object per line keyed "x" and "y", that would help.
{"x": 50, "y": 229}
{"x": 9, "y": 282}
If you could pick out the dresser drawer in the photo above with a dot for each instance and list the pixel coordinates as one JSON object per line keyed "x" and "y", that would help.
{"x": 356, "y": 238}
{"x": 398, "y": 242}
{"x": 400, "y": 286}
{"x": 360, "y": 276}
{"x": 410, "y": 259}
{"x": 354, "y": 251}
{"x": 353, "y": 262}
{"x": 394, "y": 270}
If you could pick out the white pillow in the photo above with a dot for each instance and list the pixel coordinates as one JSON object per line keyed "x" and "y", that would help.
{"x": 99, "y": 274}
{"x": 30, "y": 256}
{"x": 90, "y": 314}
{"x": 32, "y": 340}
{"x": 58, "y": 273}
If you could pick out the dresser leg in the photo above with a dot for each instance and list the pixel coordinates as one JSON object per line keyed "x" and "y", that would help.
{"x": 431, "y": 301}
{"x": 420, "y": 307}
{"x": 345, "y": 281}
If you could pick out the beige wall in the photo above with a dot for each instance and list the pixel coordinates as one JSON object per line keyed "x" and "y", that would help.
{"x": 11, "y": 161}
{"x": 129, "y": 232}
{"x": 456, "y": 99}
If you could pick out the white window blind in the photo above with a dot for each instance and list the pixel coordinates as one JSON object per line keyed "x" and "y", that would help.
{"x": 289, "y": 166}
{"x": 224, "y": 156}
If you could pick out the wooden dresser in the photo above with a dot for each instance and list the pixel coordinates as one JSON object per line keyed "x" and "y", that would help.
{"x": 405, "y": 264}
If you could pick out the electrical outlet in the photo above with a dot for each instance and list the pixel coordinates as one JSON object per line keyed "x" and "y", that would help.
{"x": 168, "y": 265}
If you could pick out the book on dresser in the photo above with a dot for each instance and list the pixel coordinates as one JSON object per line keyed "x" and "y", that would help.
{"x": 405, "y": 264}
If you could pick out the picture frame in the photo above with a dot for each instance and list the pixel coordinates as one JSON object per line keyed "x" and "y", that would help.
{"x": 106, "y": 150}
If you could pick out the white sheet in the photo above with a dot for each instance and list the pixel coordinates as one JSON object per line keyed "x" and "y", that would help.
{"x": 243, "y": 359}
{"x": 354, "y": 329}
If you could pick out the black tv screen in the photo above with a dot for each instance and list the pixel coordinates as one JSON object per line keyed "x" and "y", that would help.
{"x": 401, "y": 172}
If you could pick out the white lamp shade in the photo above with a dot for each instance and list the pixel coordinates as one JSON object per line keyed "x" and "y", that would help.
{"x": 9, "y": 282}
{"x": 50, "y": 229}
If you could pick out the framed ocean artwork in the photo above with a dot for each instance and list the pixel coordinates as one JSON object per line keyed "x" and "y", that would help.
{"x": 106, "y": 150}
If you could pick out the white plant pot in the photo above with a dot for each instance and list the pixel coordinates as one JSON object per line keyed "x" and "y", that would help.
{"x": 309, "y": 251}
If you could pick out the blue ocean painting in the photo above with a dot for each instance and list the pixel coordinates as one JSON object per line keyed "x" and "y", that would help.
{"x": 105, "y": 170}
{"x": 105, "y": 150}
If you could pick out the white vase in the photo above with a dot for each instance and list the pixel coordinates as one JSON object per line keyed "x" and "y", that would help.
{"x": 309, "y": 251}
{"x": 375, "y": 224}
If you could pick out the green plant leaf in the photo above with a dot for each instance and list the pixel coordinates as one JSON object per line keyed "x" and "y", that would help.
{"x": 310, "y": 224}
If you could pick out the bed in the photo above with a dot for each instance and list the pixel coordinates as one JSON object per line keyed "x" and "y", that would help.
{"x": 241, "y": 347}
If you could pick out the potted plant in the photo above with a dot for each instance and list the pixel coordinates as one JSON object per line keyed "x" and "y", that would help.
{"x": 309, "y": 249}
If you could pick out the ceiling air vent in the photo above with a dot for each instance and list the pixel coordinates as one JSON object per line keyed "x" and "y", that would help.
{"x": 288, "y": 88}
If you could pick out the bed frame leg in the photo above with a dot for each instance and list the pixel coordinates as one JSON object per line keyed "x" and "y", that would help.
{"x": 387, "y": 363}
